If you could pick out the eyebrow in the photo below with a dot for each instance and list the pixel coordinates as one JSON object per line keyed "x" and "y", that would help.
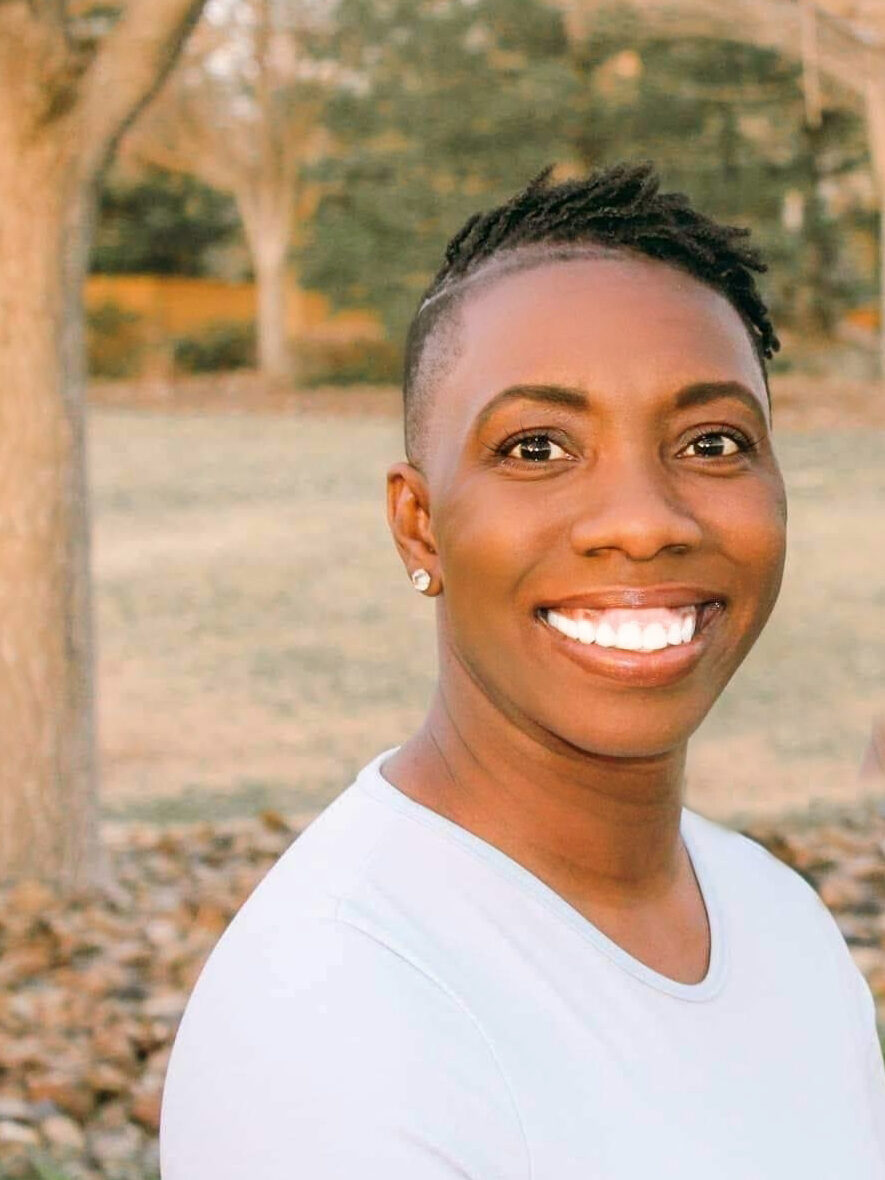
{"x": 555, "y": 395}
{"x": 699, "y": 393}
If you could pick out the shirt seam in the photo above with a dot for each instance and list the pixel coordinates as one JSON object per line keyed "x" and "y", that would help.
{"x": 459, "y": 1003}
{"x": 716, "y": 985}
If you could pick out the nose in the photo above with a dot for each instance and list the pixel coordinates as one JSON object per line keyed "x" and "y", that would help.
{"x": 633, "y": 507}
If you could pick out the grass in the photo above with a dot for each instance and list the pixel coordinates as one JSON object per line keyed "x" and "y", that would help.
{"x": 259, "y": 641}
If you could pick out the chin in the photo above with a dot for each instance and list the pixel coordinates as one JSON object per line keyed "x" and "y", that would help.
{"x": 640, "y": 731}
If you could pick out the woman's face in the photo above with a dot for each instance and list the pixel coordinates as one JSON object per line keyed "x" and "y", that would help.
{"x": 605, "y": 506}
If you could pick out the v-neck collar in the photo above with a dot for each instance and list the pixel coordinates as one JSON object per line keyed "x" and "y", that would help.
{"x": 371, "y": 780}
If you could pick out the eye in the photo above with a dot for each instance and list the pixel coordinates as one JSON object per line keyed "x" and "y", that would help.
{"x": 716, "y": 444}
{"x": 534, "y": 448}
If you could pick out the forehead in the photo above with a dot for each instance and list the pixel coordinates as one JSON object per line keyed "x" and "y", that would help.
{"x": 626, "y": 329}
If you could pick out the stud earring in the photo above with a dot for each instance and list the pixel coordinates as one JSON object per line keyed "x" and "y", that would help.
{"x": 420, "y": 579}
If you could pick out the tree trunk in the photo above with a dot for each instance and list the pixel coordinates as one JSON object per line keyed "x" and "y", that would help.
{"x": 274, "y": 359}
{"x": 48, "y": 812}
{"x": 64, "y": 101}
{"x": 266, "y": 218}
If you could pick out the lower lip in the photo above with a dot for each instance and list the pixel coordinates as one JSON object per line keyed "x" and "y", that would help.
{"x": 641, "y": 669}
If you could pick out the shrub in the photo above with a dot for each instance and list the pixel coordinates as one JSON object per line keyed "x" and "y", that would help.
{"x": 114, "y": 341}
{"x": 224, "y": 344}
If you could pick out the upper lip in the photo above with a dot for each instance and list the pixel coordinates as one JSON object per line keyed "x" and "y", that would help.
{"x": 669, "y": 594}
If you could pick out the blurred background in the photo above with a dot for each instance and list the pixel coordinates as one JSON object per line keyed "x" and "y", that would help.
{"x": 266, "y": 230}
{"x": 216, "y": 220}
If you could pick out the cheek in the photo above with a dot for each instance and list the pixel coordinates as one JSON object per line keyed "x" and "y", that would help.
{"x": 487, "y": 544}
{"x": 751, "y": 528}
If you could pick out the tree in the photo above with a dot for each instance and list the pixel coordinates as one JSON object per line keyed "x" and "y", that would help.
{"x": 150, "y": 221}
{"x": 451, "y": 105}
{"x": 242, "y": 113}
{"x": 74, "y": 75}
{"x": 726, "y": 122}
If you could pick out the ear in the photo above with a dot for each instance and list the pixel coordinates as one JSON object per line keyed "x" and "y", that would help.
{"x": 408, "y": 515}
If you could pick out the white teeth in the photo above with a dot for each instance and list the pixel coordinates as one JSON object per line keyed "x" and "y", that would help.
{"x": 654, "y": 637}
{"x": 605, "y": 635}
{"x": 629, "y": 635}
{"x": 586, "y": 631}
{"x": 563, "y": 623}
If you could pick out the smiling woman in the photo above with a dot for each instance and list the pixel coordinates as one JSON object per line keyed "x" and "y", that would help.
{"x": 508, "y": 949}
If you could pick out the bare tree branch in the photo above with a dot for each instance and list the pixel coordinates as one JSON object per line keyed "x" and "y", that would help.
{"x": 130, "y": 66}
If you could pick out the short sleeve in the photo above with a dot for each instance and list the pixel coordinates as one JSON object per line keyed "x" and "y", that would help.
{"x": 330, "y": 1057}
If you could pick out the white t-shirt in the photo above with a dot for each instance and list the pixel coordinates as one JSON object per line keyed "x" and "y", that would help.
{"x": 400, "y": 1000}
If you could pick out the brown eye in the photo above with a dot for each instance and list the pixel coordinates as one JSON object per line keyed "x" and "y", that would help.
{"x": 714, "y": 445}
{"x": 535, "y": 448}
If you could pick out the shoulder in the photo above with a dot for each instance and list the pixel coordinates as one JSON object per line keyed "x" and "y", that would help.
{"x": 332, "y": 1052}
{"x": 772, "y": 895}
{"x": 737, "y": 858}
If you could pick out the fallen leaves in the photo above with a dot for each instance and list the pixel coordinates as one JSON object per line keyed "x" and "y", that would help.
{"x": 92, "y": 990}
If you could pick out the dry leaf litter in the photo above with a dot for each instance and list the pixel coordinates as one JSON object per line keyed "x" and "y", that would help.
{"x": 92, "y": 989}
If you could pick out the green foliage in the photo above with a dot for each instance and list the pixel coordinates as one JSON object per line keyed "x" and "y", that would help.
{"x": 726, "y": 123}
{"x": 458, "y": 102}
{"x": 114, "y": 343}
{"x": 160, "y": 223}
{"x": 219, "y": 346}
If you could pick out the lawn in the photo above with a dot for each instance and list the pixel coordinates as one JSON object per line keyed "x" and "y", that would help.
{"x": 259, "y": 641}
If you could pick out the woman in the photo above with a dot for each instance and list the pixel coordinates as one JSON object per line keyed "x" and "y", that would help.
{"x": 508, "y": 950}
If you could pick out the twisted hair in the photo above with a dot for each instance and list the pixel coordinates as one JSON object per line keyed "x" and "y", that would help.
{"x": 610, "y": 211}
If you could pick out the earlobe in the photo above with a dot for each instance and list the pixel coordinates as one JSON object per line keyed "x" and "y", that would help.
{"x": 408, "y": 516}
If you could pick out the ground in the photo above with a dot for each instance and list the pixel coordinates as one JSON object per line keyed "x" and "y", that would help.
{"x": 259, "y": 641}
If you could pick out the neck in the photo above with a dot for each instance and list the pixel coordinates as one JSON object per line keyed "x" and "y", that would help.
{"x": 597, "y": 829}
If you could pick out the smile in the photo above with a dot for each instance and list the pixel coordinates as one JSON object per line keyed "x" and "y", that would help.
{"x": 645, "y": 639}
{"x": 628, "y": 629}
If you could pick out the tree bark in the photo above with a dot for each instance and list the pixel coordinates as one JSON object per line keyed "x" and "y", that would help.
{"x": 48, "y": 822}
{"x": 61, "y": 108}
{"x": 267, "y": 221}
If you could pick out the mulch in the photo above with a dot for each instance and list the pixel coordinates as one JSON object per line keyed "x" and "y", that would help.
{"x": 92, "y": 988}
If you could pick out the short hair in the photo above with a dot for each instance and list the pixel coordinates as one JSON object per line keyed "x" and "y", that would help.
{"x": 614, "y": 211}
